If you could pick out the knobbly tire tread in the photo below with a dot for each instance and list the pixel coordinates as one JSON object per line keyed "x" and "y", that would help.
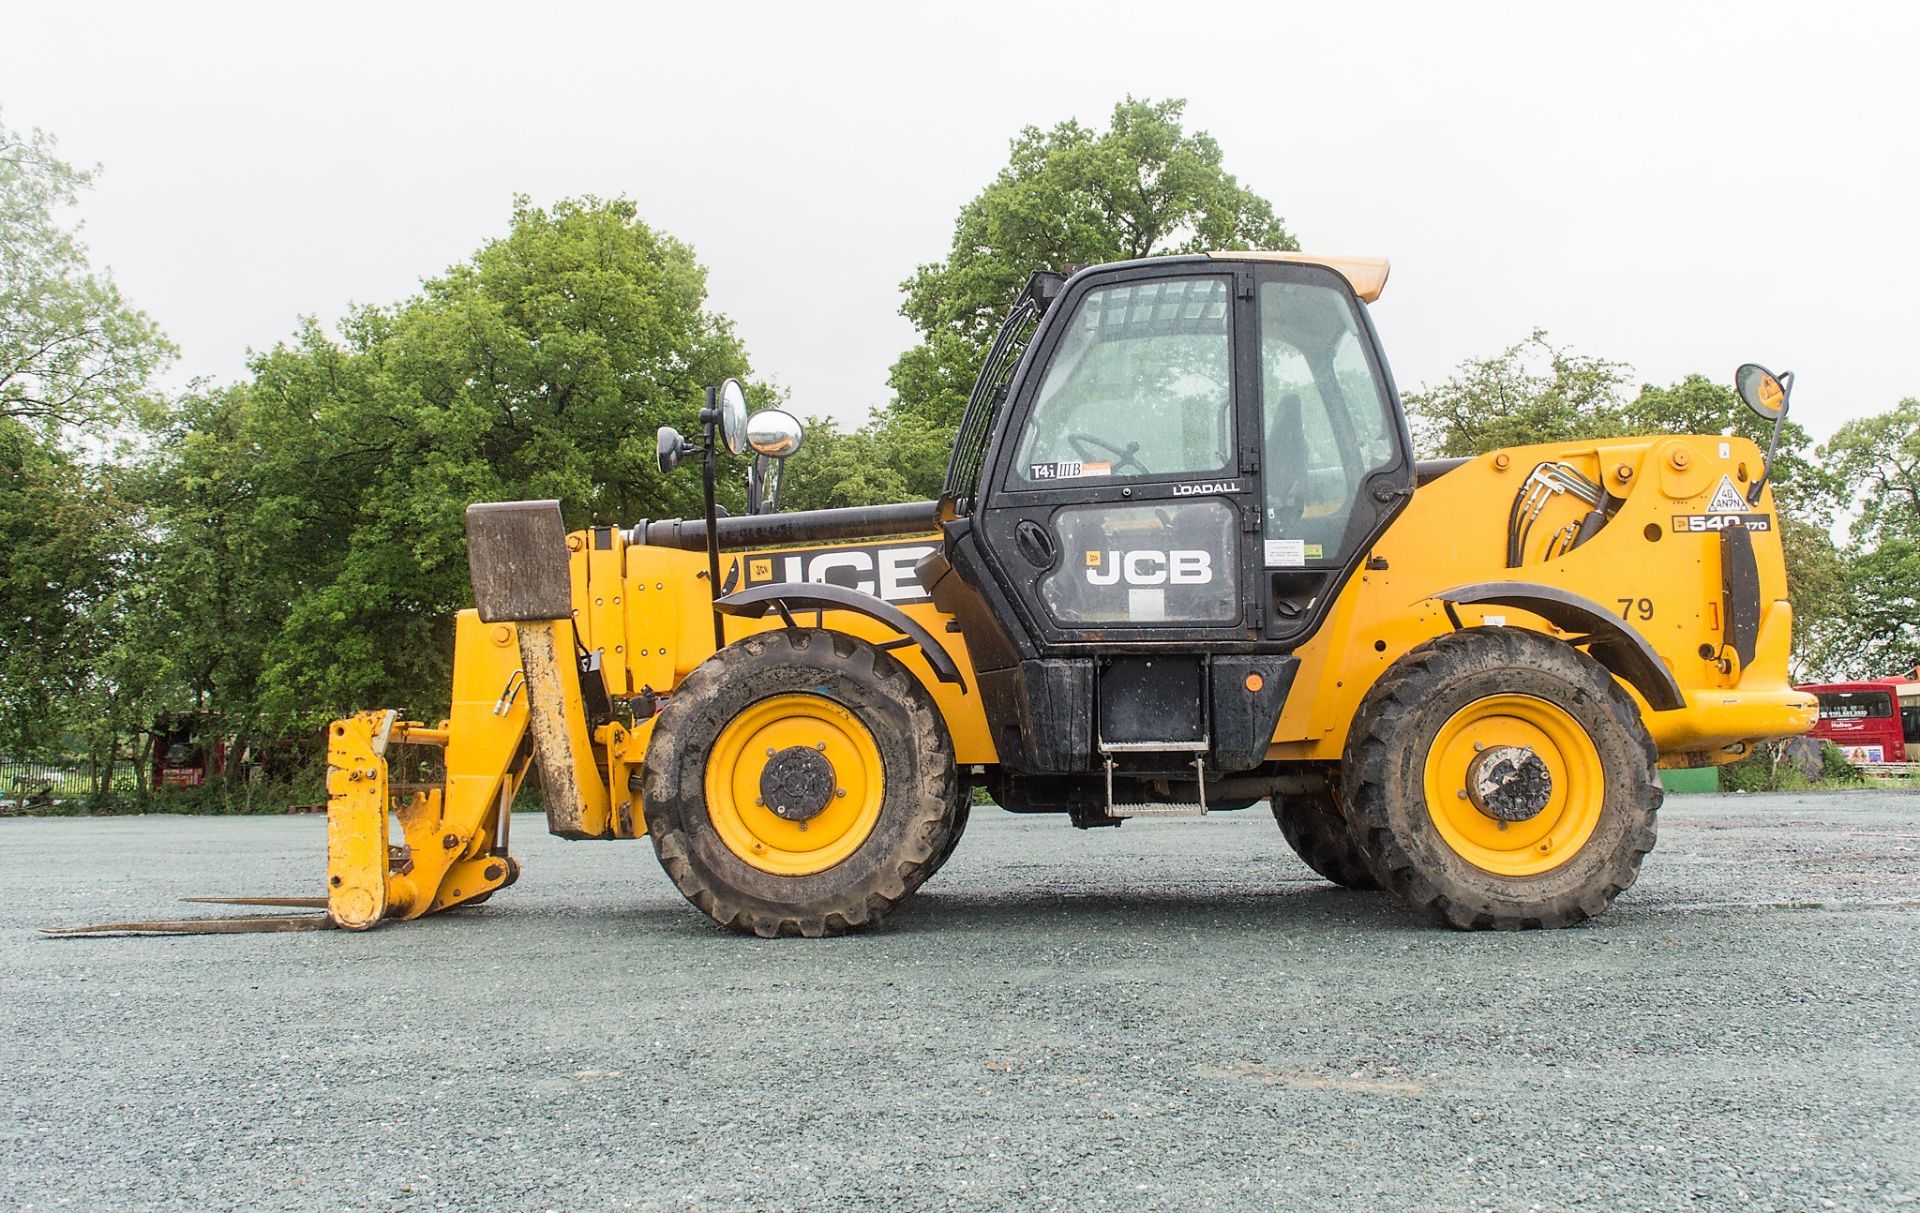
{"x": 1384, "y": 774}
{"x": 1316, "y": 829}
{"x": 963, "y": 812}
{"x": 920, "y": 809}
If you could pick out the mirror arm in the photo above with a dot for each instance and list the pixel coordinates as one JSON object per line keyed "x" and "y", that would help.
{"x": 1773, "y": 445}
{"x": 709, "y": 417}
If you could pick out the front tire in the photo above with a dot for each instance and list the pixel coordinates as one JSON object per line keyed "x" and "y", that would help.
{"x": 1498, "y": 778}
{"x": 800, "y": 782}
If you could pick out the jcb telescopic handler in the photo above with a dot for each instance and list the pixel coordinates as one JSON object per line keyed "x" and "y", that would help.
{"x": 1184, "y": 561}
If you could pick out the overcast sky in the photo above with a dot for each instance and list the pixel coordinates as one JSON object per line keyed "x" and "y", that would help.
{"x": 1678, "y": 187}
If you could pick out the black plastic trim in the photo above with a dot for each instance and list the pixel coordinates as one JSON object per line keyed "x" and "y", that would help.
{"x": 1244, "y": 719}
{"x": 1610, "y": 641}
{"x": 790, "y": 596}
{"x": 800, "y": 526}
{"x": 1740, "y": 586}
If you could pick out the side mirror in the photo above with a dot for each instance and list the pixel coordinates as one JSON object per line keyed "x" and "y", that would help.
{"x": 733, "y": 416}
{"x": 775, "y": 433}
{"x": 669, "y": 448}
{"x": 1763, "y": 391}
{"x": 1766, "y": 394}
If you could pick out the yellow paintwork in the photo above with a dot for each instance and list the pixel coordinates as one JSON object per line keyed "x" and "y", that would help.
{"x": 449, "y": 853}
{"x": 357, "y": 821}
{"x": 670, "y": 620}
{"x": 1454, "y": 532}
{"x": 750, "y": 828}
{"x": 1519, "y": 848}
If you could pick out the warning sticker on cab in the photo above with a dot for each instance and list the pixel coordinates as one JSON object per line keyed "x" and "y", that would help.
{"x": 1068, "y": 470}
{"x": 1727, "y": 499}
{"x": 1722, "y": 522}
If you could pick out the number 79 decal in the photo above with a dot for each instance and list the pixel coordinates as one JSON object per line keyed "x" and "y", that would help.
{"x": 1636, "y": 608}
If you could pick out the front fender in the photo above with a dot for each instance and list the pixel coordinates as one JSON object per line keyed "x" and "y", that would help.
{"x": 1611, "y": 641}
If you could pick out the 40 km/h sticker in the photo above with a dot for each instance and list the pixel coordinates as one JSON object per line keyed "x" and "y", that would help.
{"x": 1722, "y": 522}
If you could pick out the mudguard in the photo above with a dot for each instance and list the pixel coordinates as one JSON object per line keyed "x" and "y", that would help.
{"x": 1610, "y": 640}
{"x": 789, "y": 596}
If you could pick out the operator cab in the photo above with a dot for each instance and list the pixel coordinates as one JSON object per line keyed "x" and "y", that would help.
{"x": 1187, "y": 462}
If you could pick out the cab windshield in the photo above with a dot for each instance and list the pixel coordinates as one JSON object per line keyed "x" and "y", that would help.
{"x": 1141, "y": 385}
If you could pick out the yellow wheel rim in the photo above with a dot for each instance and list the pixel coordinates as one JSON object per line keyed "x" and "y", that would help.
{"x": 767, "y": 840}
{"x": 1558, "y": 830}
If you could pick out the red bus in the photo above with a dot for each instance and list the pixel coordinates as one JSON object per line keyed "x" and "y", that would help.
{"x": 1873, "y": 721}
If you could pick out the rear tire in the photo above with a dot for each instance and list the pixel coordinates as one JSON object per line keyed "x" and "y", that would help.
{"x": 1317, "y": 831}
{"x": 882, "y": 791}
{"x": 1461, "y": 720}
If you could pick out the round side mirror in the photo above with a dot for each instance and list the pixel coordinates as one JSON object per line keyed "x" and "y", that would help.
{"x": 669, "y": 448}
{"x": 775, "y": 433}
{"x": 733, "y": 416}
{"x": 1762, "y": 391}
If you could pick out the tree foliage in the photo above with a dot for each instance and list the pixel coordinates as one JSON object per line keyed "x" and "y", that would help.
{"x": 1874, "y": 630}
{"x": 72, "y": 351}
{"x": 1068, "y": 196}
{"x": 75, "y": 366}
{"x": 59, "y": 533}
{"x": 312, "y": 518}
{"x": 1533, "y": 391}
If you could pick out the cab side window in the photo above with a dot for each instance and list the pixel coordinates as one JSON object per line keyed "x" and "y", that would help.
{"x": 1326, "y": 426}
{"x": 1140, "y": 385}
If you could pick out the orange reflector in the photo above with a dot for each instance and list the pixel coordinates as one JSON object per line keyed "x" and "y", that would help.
{"x": 1255, "y": 682}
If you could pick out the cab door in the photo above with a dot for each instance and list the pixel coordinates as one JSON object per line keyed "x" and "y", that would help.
{"x": 1335, "y": 460}
{"x": 1124, "y": 500}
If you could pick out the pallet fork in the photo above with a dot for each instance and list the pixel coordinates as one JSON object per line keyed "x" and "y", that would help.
{"x": 516, "y": 694}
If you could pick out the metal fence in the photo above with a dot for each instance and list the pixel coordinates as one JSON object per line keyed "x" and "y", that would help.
{"x": 26, "y": 781}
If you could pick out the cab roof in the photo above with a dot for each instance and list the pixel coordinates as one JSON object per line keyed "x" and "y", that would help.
{"x": 1366, "y": 275}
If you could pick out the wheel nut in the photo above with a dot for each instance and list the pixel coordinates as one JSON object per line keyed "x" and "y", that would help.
{"x": 820, "y": 745}
{"x": 839, "y": 791}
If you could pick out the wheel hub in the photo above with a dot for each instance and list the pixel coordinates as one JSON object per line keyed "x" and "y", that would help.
{"x": 797, "y": 784}
{"x": 1509, "y": 783}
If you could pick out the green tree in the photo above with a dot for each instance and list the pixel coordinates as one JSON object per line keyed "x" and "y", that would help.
{"x": 1875, "y": 629}
{"x": 312, "y": 517}
{"x": 56, "y": 529}
{"x": 72, "y": 351}
{"x": 75, "y": 360}
{"x": 1071, "y": 195}
{"x": 1533, "y": 391}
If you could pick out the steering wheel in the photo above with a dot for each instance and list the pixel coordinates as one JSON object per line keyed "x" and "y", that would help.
{"x": 1123, "y": 456}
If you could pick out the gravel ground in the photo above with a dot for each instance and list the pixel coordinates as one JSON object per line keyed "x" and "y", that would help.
{"x": 1174, "y": 1015}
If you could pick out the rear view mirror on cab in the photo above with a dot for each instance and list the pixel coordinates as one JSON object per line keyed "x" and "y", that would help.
{"x": 1763, "y": 391}
{"x": 774, "y": 433}
{"x": 1766, "y": 394}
